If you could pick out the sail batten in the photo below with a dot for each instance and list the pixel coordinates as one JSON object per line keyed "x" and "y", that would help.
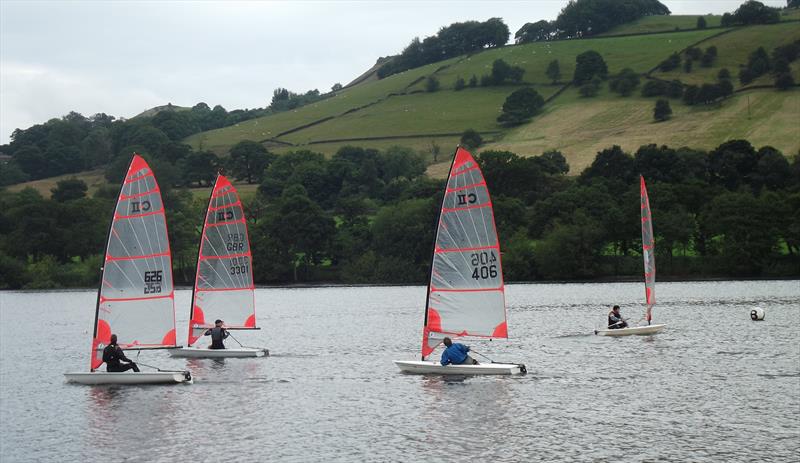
{"x": 466, "y": 293}
{"x": 223, "y": 287}
{"x": 135, "y": 298}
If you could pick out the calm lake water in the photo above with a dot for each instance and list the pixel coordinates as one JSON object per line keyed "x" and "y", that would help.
{"x": 715, "y": 386}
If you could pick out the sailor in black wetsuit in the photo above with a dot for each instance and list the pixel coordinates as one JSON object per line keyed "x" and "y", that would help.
{"x": 113, "y": 354}
{"x": 615, "y": 320}
{"x": 218, "y": 334}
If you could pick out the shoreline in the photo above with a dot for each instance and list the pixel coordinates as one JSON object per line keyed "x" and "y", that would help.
{"x": 379, "y": 285}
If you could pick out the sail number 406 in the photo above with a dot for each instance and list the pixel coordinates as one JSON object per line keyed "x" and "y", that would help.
{"x": 485, "y": 265}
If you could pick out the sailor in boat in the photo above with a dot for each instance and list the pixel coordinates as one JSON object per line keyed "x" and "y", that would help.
{"x": 615, "y": 320}
{"x": 456, "y": 353}
{"x": 218, "y": 334}
{"x": 113, "y": 356}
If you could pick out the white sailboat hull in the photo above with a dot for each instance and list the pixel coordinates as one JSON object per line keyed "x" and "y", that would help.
{"x": 424, "y": 367}
{"x": 153, "y": 377}
{"x": 636, "y": 330}
{"x": 200, "y": 352}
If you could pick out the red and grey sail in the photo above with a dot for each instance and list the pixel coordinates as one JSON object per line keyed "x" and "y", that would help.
{"x": 466, "y": 295}
{"x": 223, "y": 287}
{"x": 648, "y": 251}
{"x": 136, "y": 296}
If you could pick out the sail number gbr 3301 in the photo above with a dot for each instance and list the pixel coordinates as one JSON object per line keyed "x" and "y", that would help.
{"x": 484, "y": 265}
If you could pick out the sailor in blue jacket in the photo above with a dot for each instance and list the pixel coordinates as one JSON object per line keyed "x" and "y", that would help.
{"x": 456, "y": 354}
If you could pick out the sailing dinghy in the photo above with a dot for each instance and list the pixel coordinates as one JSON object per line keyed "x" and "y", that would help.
{"x": 466, "y": 295}
{"x": 136, "y": 299}
{"x": 648, "y": 252}
{"x": 223, "y": 285}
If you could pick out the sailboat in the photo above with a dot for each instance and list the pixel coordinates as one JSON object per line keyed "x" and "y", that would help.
{"x": 466, "y": 294}
{"x": 223, "y": 285}
{"x": 136, "y": 299}
{"x": 649, "y": 255}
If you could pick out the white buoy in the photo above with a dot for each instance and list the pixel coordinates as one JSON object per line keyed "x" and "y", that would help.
{"x": 757, "y": 314}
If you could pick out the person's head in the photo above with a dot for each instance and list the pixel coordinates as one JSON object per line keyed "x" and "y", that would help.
{"x": 218, "y": 322}
{"x": 113, "y": 339}
{"x": 448, "y": 342}
{"x": 616, "y": 308}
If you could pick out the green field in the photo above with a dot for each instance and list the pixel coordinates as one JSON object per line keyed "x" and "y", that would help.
{"x": 733, "y": 50}
{"x": 94, "y": 179}
{"x": 618, "y": 52}
{"x": 220, "y": 140}
{"x": 436, "y": 113}
{"x": 650, "y": 24}
{"x": 580, "y": 127}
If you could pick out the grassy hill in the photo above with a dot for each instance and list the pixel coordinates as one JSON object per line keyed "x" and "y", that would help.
{"x": 650, "y": 24}
{"x": 397, "y": 110}
{"x": 733, "y": 49}
{"x": 573, "y": 126}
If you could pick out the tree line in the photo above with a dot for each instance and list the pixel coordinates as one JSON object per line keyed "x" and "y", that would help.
{"x": 75, "y": 143}
{"x": 368, "y": 216}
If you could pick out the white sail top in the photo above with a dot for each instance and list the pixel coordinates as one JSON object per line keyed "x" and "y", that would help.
{"x": 466, "y": 295}
{"x": 136, "y": 298}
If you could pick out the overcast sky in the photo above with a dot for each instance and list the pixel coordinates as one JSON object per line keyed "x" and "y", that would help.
{"x": 122, "y": 57}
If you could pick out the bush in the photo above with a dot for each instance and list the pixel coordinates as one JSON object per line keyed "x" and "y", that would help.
{"x": 675, "y": 89}
{"x": 460, "y": 84}
{"x": 724, "y": 74}
{"x": 694, "y": 53}
{"x": 471, "y": 139}
{"x": 473, "y": 81}
{"x": 591, "y": 88}
{"x": 654, "y": 88}
{"x": 521, "y": 106}
{"x": 687, "y": 65}
{"x": 662, "y": 110}
{"x": 670, "y": 63}
{"x": 746, "y": 76}
{"x": 625, "y": 82}
{"x": 784, "y": 81}
{"x": 431, "y": 84}
{"x": 701, "y": 22}
{"x": 589, "y": 65}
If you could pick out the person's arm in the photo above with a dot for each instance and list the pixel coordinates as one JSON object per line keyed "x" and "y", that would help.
{"x": 445, "y": 358}
{"x": 207, "y": 333}
{"x": 224, "y": 333}
{"x": 121, "y": 355}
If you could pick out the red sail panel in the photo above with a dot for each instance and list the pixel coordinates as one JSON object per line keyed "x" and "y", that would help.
{"x": 223, "y": 287}
{"x": 466, "y": 294}
{"x": 648, "y": 250}
{"x": 136, "y": 296}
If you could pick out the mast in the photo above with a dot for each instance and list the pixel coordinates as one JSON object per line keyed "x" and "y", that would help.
{"x": 197, "y": 267}
{"x": 105, "y": 253}
{"x": 433, "y": 246}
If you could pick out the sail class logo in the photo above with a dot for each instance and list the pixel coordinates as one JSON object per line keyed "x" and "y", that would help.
{"x": 467, "y": 199}
{"x": 225, "y": 215}
{"x": 140, "y": 206}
